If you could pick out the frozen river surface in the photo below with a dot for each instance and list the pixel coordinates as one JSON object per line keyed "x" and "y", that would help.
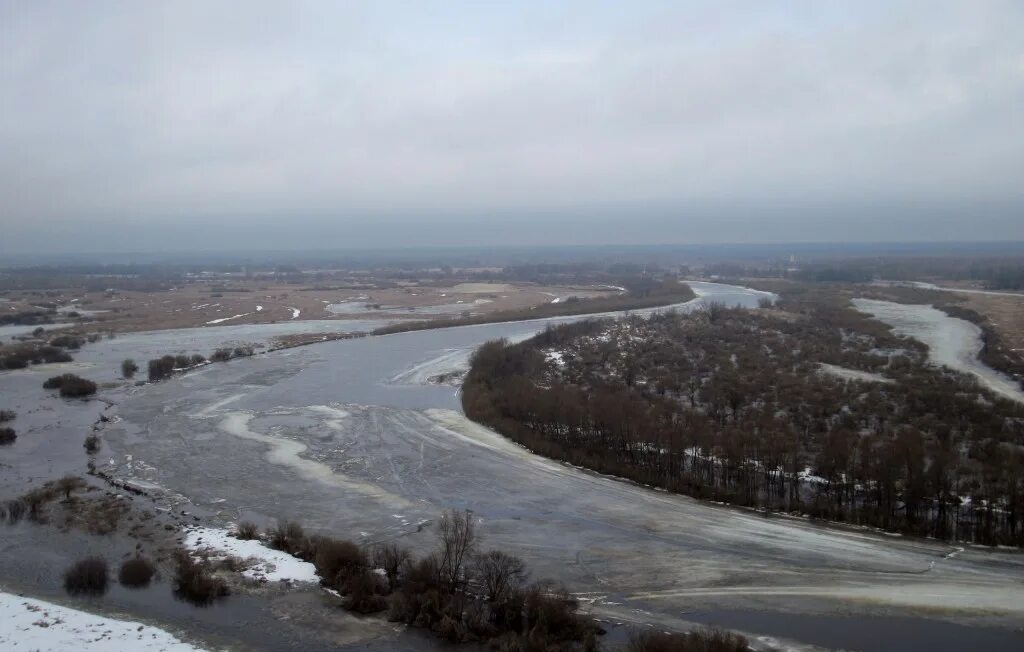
{"x": 952, "y": 342}
{"x": 347, "y": 438}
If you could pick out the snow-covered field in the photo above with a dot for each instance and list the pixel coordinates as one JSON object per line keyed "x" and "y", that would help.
{"x": 35, "y": 625}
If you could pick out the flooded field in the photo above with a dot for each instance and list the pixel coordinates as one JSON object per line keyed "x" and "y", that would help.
{"x": 352, "y": 438}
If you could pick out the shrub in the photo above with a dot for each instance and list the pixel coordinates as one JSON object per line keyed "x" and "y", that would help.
{"x": 552, "y": 612}
{"x": 128, "y": 368}
{"x": 67, "y": 341}
{"x": 6, "y": 415}
{"x": 247, "y": 530}
{"x": 35, "y": 501}
{"x": 51, "y": 354}
{"x": 92, "y": 444}
{"x": 15, "y": 361}
{"x": 136, "y": 573}
{"x": 364, "y": 592}
{"x": 336, "y": 560}
{"x": 289, "y": 537}
{"x": 7, "y": 436}
{"x": 160, "y": 368}
{"x": 220, "y": 355}
{"x": 704, "y": 640}
{"x": 67, "y": 484}
{"x": 243, "y": 351}
{"x": 197, "y": 359}
{"x": 195, "y": 582}
{"x": 75, "y": 387}
{"x": 86, "y": 577}
{"x": 14, "y": 510}
{"x": 70, "y": 385}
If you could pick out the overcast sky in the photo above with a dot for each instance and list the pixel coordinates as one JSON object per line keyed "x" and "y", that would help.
{"x": 163, "y": 125}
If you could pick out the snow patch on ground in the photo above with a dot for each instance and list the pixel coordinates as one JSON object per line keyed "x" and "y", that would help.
{"x": 295, "y": 312}
{"x": 264, "y": 564}
{"x": 224, "y": 319}
{"x": 259, "y": 308}
{"x": 852, "y": 374}
{"x": 27, "y": 624}
{"x": 450, "y": 361}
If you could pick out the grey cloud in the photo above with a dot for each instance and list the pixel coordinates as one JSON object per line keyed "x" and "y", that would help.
{"x": 142, "y": 115}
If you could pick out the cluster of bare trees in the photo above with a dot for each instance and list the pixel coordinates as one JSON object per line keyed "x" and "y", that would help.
{"x": 460, "y": 592}
{"x": 732, "y": 405}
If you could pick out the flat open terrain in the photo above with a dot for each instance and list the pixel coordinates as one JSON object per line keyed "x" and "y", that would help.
{"x": 348, "y": 438}
{"x": 243, "y": 301}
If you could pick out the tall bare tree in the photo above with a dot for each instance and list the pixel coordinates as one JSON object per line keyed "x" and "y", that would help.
{"x": 500, "y": 573}
{"x": 457, "y": 534}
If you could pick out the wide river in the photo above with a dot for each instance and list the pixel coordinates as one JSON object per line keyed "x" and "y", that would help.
{"x": 351, "y": 439}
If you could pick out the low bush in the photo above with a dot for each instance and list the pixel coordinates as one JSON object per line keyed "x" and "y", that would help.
{"x": 7, "y": 415}
{"x": 7, "y": 436}
{"x": 136, "y": 573}
{"x": 289, "y": 537}
{"x": 67, "y": 341}
{"x": 68, "y": 484}
{"x": 247, "y": 530}
{"x": 14, "y": 510}
{"x": 92, "y": 444}
{"x": 704, "y": 640}
{"x": 49, "y": 355}
{"x": 128, "y": 368}
{"x": 220, "y": 355}
{"x": 336, "y": 560}
{"x": 86, "y": 577}
{"x": 365, "y": 592}
{"x": 160, "y": 368}
{"x": 70, "y": 385}
{"x": 195, "y": 582}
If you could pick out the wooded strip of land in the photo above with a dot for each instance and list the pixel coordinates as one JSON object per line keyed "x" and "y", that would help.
{"x": 754, "y": 408}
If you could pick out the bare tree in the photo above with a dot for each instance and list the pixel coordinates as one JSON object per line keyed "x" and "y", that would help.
{"x": 458, "y": 538}
{"x": 69, "y": 483}
{"x": 500, "y": 573}
{"x": 391, "y": 557}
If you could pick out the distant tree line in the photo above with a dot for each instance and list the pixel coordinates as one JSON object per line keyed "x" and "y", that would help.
{"x": 649, "y": 294}
{"x": 165, "y": 366}
{"x": 28, "y": 317}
